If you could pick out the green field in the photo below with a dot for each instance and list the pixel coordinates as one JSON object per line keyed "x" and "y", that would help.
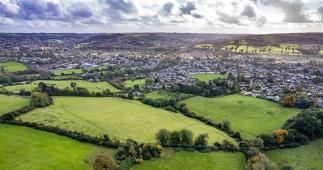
{"x": 24, "y": 148}
{"x": 248, "y": 115}
{"x": 131, "y": 83}
{"x": 11, "y": 103}
{"x": 208, "y": 76}
{"x": 166, "y": 95}
{"x": 204, "y": 46}
{"x": 91, "y": 86}
{"x": 306, "y": 157}
{"x": 67, "y": 71}
{"x": 119, "y": 118}
{"x": 194, "y": 161}
{"x": 13, "y": 66}
{"x": 281, "y": 49}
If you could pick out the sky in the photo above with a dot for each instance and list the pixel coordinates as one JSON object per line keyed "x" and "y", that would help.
{"x": 193, "y": 16}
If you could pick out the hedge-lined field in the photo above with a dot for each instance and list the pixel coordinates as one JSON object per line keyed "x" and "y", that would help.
{"x": 91, "y": 86}
{"x": 308, "y": 156}
{"x": 248, "y": 115}
{"x": 12, "y": 103}
{"x": 194, "y": 161}
{"x": 208, "y": 76}
{"x": 131, "y": 83}
{"x": 12, "y": 66}
{"x": 24, "y": 148}
{"x": 67, "y": 72}
{"x": 155, "y": 95}
{"x": 119, "y": 118}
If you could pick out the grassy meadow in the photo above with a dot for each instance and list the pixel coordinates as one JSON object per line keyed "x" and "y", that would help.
{"x": 119, "y": 118}
{"x": 155, "y": 95}
{"x": 67, "y": 71}
{"x": 171, "y": 160}
{"x": 13, "y": 66}
{"x": 306, "y": 157}
{"x": 208, "y": 76}
{"x": 24, "y": 148}
{"x": 131, "y": 83}
{"x": 281, "y": 49}
{"x": 248, "y": 115}
{"x": 91, "y": 86}
{"x": 11, "y": 103}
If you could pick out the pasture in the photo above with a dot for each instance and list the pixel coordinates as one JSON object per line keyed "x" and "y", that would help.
{"x": 131, "y": 83}
{"x": 155, "y": 95}
{"x": 11, "y": 103}
{"x": 172, "y": 160}
{"x": 67, "y": 71}
{"x": 12, "y": 66}
{"x": 24, "y": 148}
{"x": 289, "y": 49}
{"x": 208, "y": 76}
{"x": 308, "y": 156}
{"x": 119, "y": 118}
{"x": 91, "y": 86}
{"x": 248, "y": 115}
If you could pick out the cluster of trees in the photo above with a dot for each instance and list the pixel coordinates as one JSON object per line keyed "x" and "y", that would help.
{"x": 40, "y": 99}
{"x": 168, "y": 104}
{"x": 182, "y": 138}
{"x": 215, "y": 87}
{"x": 224, "y": 126}
{"x": 133, "y": 152}
{"x": 27, "y": 75}
{"x": 185, "y": 139}
{"x": 299, "y": 101}
{"x": 306, "y": 126}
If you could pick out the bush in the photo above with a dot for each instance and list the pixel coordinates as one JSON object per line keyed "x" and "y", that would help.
{"x": 163, "y": 136}
{"x": 200, "y": 141}
{"x": 40, "y": 100}
{"x": 104, "y": 162}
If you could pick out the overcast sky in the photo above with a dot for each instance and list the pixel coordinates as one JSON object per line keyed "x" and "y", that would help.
{"x": 209, "y": 16}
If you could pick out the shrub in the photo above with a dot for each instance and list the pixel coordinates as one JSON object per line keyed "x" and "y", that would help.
{"x": 40, "y": 100}
{"x": 104, "y": 162}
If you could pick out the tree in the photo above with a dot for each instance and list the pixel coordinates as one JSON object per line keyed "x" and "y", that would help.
{"x": 104, "y": 162}
{"x": 279, "y": 135}
{"x": 130, "y": 95}
{"x": 259, "y": 162}
{"x": 73, "y": 85}
{"x": 201, "y": 141}
{"x": 175, "y": 138}
{"x": 151, "y": 151}
{"x": 288, "y": 101}
{"x": 163, "y": 137}
{"x": 42, "y": 86}
{"x": 187, "y": 137}
{"x": 40, "y": 100}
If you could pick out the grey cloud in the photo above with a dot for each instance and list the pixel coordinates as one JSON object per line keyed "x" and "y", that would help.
{"x": 320, "y": 10}
{"x": 226, "y": 18}
{"x": 197, "y": 15}
{"x": 294, "y": 10}
{"x": 121, "y": 6}
{"x": 81, "y": 11}
{"x": 249, "y": 12}
{"x": 189, "y": 9}
{"x": 167, "y": 8}
{"x": 116, "y": 9}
